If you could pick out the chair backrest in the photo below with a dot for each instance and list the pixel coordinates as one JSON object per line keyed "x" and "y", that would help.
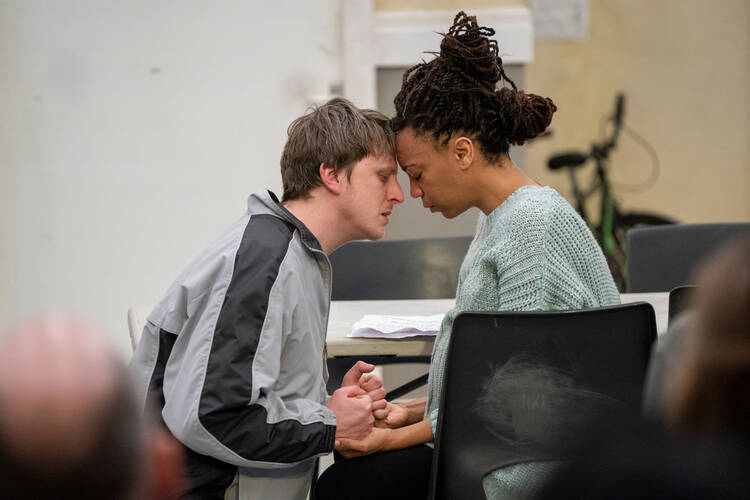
{"x": 661, "y": 258}
{"x": 679, "y": 300}
{"x": 524, "y": 386}
{"x": 424, "y": 268}
{"x": 136, "y": 321}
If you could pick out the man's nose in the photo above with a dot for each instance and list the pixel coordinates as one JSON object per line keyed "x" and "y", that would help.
{"x": 396, "y": 194}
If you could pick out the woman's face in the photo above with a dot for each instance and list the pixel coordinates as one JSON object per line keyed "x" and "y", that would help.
{"x": 434, "y": 173}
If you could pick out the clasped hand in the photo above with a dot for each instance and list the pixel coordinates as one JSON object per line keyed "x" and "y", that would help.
{"x": 354, "y": 404}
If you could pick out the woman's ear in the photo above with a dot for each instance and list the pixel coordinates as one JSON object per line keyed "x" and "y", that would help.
{"x": 331, "y": 178}
{"x": 463, "y": 150}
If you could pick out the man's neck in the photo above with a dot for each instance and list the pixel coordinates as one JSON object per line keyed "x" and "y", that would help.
{"x": 320, "y": 217}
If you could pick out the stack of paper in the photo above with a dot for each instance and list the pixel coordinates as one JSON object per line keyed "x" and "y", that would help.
{"x": 395, "y": 327}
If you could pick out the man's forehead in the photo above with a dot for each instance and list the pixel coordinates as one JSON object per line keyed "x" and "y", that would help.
{"x": 384, "y": 162}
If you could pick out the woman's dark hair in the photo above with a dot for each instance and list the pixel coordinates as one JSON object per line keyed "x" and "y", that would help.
{"x": 456, "y": 91}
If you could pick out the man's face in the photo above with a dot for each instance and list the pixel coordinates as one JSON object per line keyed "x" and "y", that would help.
{"x": 369, "y": 195}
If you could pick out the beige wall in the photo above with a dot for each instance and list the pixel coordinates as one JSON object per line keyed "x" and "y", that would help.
{"x": 684, "y": 66}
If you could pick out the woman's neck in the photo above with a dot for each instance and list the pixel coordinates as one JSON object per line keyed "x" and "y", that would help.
{"x": 497, "y": 181}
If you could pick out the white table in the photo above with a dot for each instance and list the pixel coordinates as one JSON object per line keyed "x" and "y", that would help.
{"x": 345, "y": 313}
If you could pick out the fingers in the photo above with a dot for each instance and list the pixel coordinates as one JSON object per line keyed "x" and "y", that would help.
{"x": 377, "y": 394}
{"x": 371, "y": 383}
{"x": 348, "y": 444}
{"x": 378, "y": 404}
{"x": 379, "y": 414}
{"x": 342, "y": 444}
{"x": 363, "y": 367}
{"x": 355, "y": 373}
{"x": 352, "y": 391}
{"x": 380, "y": 424}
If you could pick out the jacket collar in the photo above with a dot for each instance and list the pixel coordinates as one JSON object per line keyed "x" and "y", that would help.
{"x": 267, "y": 201}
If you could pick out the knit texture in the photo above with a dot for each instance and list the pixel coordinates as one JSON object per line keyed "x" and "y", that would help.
{"x": 533, "y": 252}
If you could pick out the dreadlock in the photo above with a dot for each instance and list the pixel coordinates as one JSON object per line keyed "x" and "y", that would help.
{"x": 456, "y": 91}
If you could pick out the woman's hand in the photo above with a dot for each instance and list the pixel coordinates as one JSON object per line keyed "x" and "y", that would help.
{"x": 394, "y": 416}
{"x": 376, "y": 441}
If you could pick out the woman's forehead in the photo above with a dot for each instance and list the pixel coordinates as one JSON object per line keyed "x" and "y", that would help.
{"x": 410, "y": 141}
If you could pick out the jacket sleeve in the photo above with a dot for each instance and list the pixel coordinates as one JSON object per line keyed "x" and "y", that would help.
{"x": 246, "y": 414}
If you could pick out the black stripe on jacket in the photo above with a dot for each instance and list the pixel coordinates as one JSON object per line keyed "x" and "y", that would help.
{"x": 227, "y": 389}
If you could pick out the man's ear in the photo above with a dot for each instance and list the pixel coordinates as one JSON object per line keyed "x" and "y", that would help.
{"x": 463, "y": 151}
{"x": 332, "y": 178}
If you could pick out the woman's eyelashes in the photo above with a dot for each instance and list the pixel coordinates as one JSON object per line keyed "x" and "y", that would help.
{"x": 414, "y": 174}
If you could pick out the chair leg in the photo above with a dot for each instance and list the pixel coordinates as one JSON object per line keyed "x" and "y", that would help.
{"x": 407, "y": 387}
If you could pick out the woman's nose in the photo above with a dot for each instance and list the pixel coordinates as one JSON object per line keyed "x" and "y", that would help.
{"x": 414, "y": 189}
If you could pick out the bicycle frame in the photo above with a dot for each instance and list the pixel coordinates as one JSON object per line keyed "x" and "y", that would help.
{"x": 604, "y": 229}
{"x": 612, "y": 226}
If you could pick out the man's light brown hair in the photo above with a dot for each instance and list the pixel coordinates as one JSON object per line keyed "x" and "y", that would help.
{"x": 337, "y": 134}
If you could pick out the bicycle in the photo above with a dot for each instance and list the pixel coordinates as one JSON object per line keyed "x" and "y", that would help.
{"x": 613, "y": 223}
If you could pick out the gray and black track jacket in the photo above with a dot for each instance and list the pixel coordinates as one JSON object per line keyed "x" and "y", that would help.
{"x": 234, "y": 352}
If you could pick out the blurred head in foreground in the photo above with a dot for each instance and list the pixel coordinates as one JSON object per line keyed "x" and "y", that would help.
{"x": 69, "y": 426}
{"x": 711, "y": 387}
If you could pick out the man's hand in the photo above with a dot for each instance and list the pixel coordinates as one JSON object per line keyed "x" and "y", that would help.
{"x": 355, "y": 373}
{"x": 376, "y": 441}
{"x": 359, "y": 374}
{"x": 373, "y": 385}
{"x": 396, "y": 415}
{"x": 353, "y": 409}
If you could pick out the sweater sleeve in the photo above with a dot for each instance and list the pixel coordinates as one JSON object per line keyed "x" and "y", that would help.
{"x": 519, "y": 265}
{"x": 551, "y": 261}
{"x": 576, "y": 274}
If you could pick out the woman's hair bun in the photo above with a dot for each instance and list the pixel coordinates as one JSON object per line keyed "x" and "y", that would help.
{"x": 467, "y": 48}
{"x": 523, "y": 116}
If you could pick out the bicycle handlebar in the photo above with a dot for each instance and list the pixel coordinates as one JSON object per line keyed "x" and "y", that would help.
{"x": 599, "y": 151}
{"x": 570, "y": 159}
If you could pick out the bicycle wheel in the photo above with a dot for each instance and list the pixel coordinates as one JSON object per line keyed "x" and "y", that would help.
{"x": 639, "y": 219}
{"x": 625, "y": 222}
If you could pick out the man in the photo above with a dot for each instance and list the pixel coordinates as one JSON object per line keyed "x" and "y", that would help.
{"x": 233, "y": 355}
{"x": 70, "y": 427}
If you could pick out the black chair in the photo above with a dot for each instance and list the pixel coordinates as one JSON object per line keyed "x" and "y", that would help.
{"x": 661, "y": 258}
{"x": 425, "y": 268}
{"x": 524, "y": 387}
{"x": 679, "y": 300}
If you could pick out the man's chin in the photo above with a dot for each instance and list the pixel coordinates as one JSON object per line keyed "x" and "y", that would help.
{"x": 376, "y": 235}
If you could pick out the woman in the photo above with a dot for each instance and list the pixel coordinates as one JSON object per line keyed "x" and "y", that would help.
{"x": 531, "y": 251}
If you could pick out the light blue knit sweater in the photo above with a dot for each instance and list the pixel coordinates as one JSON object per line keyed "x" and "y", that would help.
{"x": 533, "y": 252}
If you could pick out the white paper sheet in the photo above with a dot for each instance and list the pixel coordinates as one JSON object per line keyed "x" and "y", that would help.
{"x": 395, "y": 327}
